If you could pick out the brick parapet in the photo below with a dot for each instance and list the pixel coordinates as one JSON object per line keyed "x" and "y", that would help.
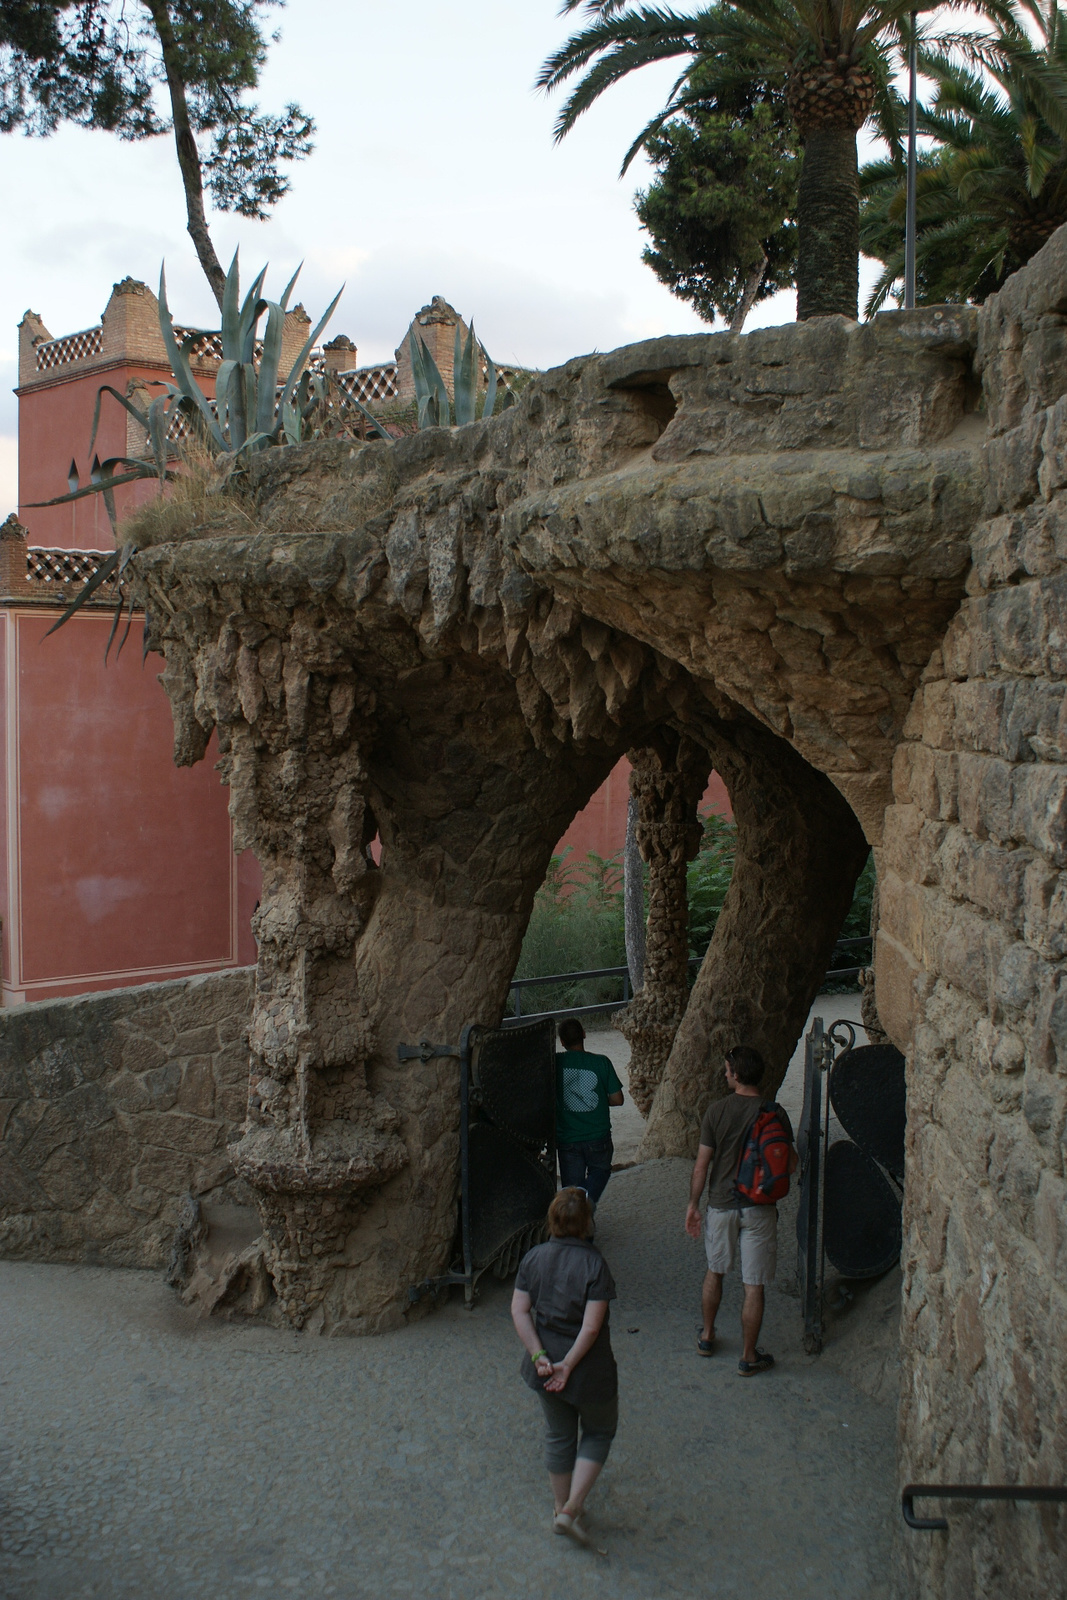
{"x": 128, "y": 334}
{"x": 31, "y": 575}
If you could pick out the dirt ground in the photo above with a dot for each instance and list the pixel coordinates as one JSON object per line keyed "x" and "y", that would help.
{"x": 146, "y": 1455}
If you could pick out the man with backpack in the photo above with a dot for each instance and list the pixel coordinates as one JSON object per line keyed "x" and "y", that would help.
{"x": 746, "y": 1156}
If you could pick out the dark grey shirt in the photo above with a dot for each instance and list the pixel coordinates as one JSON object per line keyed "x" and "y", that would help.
{"x": 561, "y": 1277}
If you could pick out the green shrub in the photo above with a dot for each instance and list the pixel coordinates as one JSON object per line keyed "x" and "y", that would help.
{"x": 708, "y": 878}
{"x": 576, "y": 926}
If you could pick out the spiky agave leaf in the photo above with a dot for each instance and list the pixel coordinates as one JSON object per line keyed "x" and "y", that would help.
{"x": 490, "y": 383}
{"x": 430, "y": 391}
{"x": 307, "y": 347}
{"x": 183, "y": 372}
{"x": 464, "y": 377}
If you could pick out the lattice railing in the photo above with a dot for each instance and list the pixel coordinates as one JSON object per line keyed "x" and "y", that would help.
{"x": 73, "y": 347}
{"x": 370, "y": 384}
{"x": 62, "y": 566}
{"x": 206, "y": 346}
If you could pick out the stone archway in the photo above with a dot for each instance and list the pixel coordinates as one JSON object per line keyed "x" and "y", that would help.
{"x": 450, "y": 640}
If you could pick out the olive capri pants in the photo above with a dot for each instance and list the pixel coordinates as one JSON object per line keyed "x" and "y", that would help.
{"x": 599, "y": 1420}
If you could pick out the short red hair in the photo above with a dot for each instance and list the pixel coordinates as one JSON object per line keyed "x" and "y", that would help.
{"x": 570, "y": 1216}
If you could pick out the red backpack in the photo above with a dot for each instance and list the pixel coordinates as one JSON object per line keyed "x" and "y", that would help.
{"x": 763, "y": 1171}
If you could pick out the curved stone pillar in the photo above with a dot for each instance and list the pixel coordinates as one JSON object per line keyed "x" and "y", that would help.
{"x": 668, "y": 776}
{"x": 799, "y": 853}
{"x": 336, "y": 723}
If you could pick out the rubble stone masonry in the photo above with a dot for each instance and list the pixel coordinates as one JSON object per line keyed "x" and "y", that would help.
{"x": 972, "y": 982}
{"x": 112, "y": 1108}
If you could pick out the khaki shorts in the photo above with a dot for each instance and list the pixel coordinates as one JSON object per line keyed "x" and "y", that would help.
{"x": 756, "y": 1229}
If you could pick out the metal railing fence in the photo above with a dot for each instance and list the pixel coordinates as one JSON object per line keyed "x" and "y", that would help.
{"x": 836, "y": 974}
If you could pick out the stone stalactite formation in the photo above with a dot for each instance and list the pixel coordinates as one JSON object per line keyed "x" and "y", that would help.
{"x": 667, "y": 778}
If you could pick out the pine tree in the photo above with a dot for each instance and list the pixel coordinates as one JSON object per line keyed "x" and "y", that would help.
{"x": 111, "y": 64}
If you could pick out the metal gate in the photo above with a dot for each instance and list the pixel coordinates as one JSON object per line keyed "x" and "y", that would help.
{"x": 507, "y": 1091}
{"x": 850, "y": 1190}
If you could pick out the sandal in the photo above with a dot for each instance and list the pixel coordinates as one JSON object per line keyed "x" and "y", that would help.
{"x": 763, "y": 1362}
{"x": 562, "y": 1523}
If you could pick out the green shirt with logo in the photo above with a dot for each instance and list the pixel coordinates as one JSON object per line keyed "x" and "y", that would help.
{"x": 583, "y": 1083}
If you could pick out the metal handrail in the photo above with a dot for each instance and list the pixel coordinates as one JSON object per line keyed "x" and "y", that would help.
{"x": 518, "y": 984}
{"x": 571, "y": 977}
{"x": 969, "y": 1491}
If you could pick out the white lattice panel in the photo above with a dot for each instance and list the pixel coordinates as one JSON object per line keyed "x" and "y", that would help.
{"x": 206, "y": 347}
{"x": 74, "y": 347}
{"x": 368, "y": 384}
{"x": 62, "y": 566}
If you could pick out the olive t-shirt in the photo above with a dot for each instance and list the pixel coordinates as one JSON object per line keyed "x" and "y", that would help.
{"x": 583, "y": 1083}
{"x": 724, "y": 1130}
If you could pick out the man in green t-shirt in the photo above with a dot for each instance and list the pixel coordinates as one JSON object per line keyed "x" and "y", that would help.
{"x": 586, "y": 1085}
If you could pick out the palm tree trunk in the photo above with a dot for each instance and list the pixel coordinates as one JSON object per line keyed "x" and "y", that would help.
{"x": 188, "y": 155}
{"x": 828, "y": 221}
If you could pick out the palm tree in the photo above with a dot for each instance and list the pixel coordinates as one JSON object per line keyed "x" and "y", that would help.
{"x": 994, "y": 188}
{"x": 831, "y": 59}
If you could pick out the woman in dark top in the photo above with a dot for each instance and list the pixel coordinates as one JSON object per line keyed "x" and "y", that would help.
{"x": 560, "y": 1312}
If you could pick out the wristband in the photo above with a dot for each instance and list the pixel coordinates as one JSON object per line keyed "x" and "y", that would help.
{"x": 539, "y": 1355}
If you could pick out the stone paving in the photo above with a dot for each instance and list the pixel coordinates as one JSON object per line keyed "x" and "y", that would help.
{"x": 149, "y": 1456}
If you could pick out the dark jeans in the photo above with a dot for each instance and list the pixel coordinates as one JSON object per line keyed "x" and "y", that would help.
{"x": 586, "y": 1166}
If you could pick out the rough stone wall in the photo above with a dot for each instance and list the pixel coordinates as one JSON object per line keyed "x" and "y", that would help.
{"x": 971, "y": 969}
{"x": 112, "y": 1108}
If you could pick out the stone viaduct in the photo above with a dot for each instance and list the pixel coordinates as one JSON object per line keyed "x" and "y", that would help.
{"x": 826, "y": 559}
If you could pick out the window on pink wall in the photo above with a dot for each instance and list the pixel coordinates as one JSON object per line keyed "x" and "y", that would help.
{"x": 125, "y": 865}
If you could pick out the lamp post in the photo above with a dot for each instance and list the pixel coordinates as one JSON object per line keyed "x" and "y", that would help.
{"x": 909, "y": 220}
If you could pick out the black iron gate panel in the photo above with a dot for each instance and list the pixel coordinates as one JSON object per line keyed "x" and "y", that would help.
{"x": 509, "y": 1168}
{"x": 850, "y": 1190}
{"x": 507, "y": 1147}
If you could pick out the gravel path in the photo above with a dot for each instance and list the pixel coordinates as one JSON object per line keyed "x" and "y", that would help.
{"x": 147, "y": 1456}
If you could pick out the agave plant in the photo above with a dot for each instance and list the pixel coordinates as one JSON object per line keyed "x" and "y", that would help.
{"x": 254, "y": 406}
{"x": 431, "y": 391}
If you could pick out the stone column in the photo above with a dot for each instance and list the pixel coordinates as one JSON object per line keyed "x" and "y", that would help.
{"x": 667, "y": 778}
{"x": 633, "y": 884}
{"x": 317, "y": 1139}
{"x": 353, "y": 1155}
{"x": 872, "y": 1022}
{"x": 799, "y": 853}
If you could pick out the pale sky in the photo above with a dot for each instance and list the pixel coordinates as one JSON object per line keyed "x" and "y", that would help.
{"x": 434, "y": 173}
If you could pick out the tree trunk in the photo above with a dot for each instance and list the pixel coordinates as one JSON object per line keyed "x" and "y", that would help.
{"x": 748, "y": 299}
{"x": 633, "y": 879}
{"x": 828, "y": 222}
{"x": 188, "y": 155}
{"x": 799, "y": 853}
